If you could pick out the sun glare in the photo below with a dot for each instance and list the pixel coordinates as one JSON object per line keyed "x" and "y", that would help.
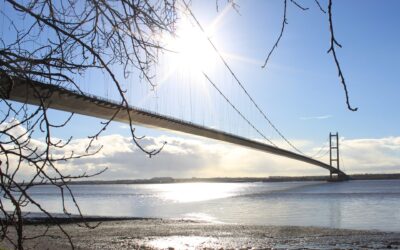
{"x": 190, "y": 48}
{"x": 194, "y": 192}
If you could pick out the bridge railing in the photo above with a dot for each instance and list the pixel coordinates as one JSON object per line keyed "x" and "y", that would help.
{"x": 117, "y": 104}
{"x": 16, "y": 92}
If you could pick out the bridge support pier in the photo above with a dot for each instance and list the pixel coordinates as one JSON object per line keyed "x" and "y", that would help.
{"x": 334, "y": 177}
{"x": 334, "y": 159}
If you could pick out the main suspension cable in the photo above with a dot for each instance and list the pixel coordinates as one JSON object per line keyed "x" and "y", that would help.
{"x": 236, "y": 109}
{"x": 238, "y": 81}
{"x": 323, "y": 147}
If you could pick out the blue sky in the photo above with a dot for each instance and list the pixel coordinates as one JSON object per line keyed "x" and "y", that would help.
{"x": 299, "y": 90}
{"x": 302, "y": 79}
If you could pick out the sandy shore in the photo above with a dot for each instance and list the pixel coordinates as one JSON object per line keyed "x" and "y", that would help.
{"x": 174, "y": 234}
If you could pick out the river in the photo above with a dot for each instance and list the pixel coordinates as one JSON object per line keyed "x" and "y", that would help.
{"x": 371, "y": 205}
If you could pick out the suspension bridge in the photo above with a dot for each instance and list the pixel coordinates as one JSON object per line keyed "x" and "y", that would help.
{"x": 60, "y": 98}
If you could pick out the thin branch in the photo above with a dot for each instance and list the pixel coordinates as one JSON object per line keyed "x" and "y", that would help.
{"x": 298, "y": 5}
{"x": 333, "y": 44}
{"x": 319, "y": 5}
{"x": 284, "y": 22}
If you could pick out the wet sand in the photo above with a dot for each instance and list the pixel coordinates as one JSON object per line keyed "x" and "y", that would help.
{"x": 180, "y": 234}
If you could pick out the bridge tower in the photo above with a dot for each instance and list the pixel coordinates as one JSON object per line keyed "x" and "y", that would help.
{"x": 334, "y": 154}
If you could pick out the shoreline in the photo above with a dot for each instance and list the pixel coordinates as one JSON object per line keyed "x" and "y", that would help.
{"x": 39, "y": 219}
{"x": 154, "y": 233}
{"x": 62, "y": 219}
{"x": 270, "y": 179}
{"x": 169, "y": 180}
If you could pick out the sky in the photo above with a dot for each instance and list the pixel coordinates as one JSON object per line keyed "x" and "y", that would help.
{"x": 299, "y": 90}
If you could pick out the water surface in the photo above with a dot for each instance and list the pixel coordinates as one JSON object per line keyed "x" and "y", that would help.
{"x": 352, "y": 205}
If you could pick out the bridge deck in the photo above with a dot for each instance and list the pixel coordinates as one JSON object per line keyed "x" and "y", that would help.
{"x": 71, "y": 101}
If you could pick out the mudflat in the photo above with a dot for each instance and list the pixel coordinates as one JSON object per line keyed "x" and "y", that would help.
{"x": 184, "y": 234}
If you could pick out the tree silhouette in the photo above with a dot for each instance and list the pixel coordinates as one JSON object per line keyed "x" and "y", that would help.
{"x": 52, "y": 42}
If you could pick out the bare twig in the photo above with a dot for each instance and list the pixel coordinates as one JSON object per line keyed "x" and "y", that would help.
{"x": 54, "y": 44}
{"x": 319, "y": 6}
{"x": 298, "y": 5}
{"x": 284, "y": 22}
{"x": 332, "y": 50}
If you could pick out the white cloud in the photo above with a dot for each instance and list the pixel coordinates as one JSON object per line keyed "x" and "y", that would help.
{"x": 320, "y": 117}
{"x": 380, "y": 155}
{"x": 183, "y": 157}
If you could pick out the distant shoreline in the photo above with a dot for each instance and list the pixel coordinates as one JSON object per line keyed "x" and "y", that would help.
{"x": 166, "y": 180}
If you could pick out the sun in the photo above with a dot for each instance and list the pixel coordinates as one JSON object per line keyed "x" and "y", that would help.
{"x": 190, "y": 48}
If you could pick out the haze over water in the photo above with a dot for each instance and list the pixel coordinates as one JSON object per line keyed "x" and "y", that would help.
{"x": 353, "y": 205}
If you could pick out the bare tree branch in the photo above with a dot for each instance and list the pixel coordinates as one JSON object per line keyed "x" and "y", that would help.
{"x": 284, "y": 22}
{"x": 298, "y": 5}
{"x": 56, "y": 42}
{"x": 332, "y": 50}
{"x": 319, "y": 6}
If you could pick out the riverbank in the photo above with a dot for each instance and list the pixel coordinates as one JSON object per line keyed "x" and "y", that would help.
{"x": 185, "y": 234}
{"x": 167, "y": 180}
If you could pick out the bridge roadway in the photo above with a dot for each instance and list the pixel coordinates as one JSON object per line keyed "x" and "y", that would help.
{"x": 86, "y": 104}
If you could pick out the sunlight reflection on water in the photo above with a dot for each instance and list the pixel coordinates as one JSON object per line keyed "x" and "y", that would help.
{"x": 193, "y": 192}
{"x": 180, "y": 242}
{"x": 353, "y": 205}
{"x": 201, "y": 217}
